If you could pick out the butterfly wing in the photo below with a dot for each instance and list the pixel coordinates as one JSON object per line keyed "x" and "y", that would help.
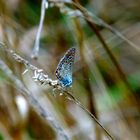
{"x": 64, "y": 68}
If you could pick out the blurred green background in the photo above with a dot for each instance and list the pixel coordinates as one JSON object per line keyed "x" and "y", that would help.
{"x": 96, "y": 81}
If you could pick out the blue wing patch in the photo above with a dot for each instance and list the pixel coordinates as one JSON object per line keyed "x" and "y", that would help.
{"x": 64, "y": 68}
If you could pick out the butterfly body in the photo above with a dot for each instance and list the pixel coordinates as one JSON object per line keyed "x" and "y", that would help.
{"x": 64, "y": 68}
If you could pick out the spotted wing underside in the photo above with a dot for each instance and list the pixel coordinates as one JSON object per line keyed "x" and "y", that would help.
{"x": 64, "y": 68}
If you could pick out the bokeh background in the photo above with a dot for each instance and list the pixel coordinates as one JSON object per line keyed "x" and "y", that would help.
{"x": 96, "y": 81}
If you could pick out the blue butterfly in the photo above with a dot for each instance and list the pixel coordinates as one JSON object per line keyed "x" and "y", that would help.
{"x": 64, "y": 68}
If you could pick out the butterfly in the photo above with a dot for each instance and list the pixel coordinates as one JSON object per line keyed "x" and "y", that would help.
{"x": 64, "y": 69}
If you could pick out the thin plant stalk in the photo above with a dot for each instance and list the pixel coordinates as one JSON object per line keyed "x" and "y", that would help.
{"x": 96, "y": 20}
{"x": 85, "y": 72}
{"x": 37, "y": 39}
{"x": 110, "y": 54}
{"x": 77, "y": 102}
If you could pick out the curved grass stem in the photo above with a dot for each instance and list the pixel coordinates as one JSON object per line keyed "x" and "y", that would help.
{"x": 76, "y": 101}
